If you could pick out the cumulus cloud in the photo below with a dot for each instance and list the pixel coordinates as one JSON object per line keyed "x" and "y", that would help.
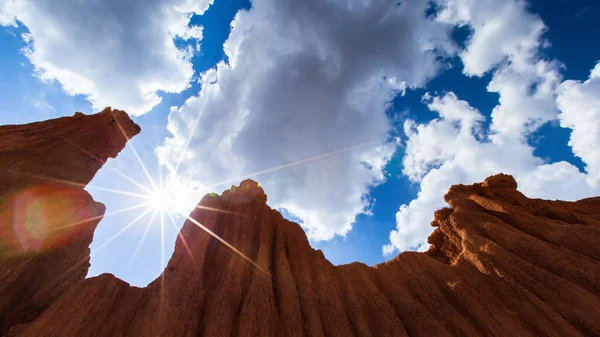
{"x": 502, "y": 29}
{"x": 307, "y": 79}
{"x": 453, "y": 148}
{"x": 118, "y": 53}
{"x": 580, "y": 106}
{"x": 300, "y": 104}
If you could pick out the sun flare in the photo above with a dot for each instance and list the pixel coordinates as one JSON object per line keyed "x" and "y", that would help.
{"x": 170, "y": 197}
{"x": 159, "y": 200}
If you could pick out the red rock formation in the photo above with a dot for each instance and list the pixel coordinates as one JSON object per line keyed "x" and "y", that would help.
{"x": 500, "y": 264}
{"x": 47, "y": 220}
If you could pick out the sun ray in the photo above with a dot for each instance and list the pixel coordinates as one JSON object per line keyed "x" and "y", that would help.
{"x": 183, "y": 240}
{"x": 95, "y": 157}
{"x": 135, "y": 153}
{"x": 76, "y": 184}
{"x": 131, "y": 194}
{"x": 100, "y": 216}
{"x": 126, "y": 227}
{"x": 139, "y": 246}
{"x": 88, "y": 256}
{"x": 160, "y": 178}
{"x": 46, "y": 178}
{"x": 139, "y": 160}
{"x": 162, "y": 261}
{"x": 294, "y": 163}
{"x": 116, "y": 170}
{"x": 219, "y": 210}
{"x": 131, "y": 180}
{"x": 235, "y": 250}
{"x": 193, "y": 131}
{"x": 162, "y": 237}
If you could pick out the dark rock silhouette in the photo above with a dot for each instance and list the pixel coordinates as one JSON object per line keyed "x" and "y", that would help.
{"x": 500, "y": 264}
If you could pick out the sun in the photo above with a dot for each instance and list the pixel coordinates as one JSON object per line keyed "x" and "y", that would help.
{"x": 159, "y": 200}
{"x": 166, "y": 198}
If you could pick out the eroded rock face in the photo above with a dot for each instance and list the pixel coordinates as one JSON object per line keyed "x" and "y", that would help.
{"x": 47, "y": 219}
{"x": 500, "y": 264}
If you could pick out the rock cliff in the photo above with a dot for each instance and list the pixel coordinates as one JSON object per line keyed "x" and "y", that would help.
{"x": 500, "y": 264}
{"x": 47, "y": 219}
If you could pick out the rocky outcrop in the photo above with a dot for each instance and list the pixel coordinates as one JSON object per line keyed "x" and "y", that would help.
{"x": 47, "y": 219}
{"x": 500, "y": 264}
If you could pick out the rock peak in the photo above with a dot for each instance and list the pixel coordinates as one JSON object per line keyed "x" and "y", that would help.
{"x": 501, "y": 181}
{"x": 246, "y": 191}
{"x": 497, "y": 184}
{"x": 47, "y": 219}
{"x": 123, "y": 121}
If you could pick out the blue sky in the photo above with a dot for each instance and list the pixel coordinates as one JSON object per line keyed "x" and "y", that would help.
{"x": 297, "y": 81}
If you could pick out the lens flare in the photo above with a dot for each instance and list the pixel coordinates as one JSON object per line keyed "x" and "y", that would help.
{"x": 40, "y": 221}
{"x": 39, "y": 215}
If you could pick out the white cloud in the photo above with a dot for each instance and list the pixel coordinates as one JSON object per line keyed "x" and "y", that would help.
{"x": 432, "y": 144}
{"x": 307, "y": 78}
{"x": 450, "y": 151}
{"x": 580, "y": 106}
{"x": 115, "y": 53}
{"x": 502, "y": 29}
{"x": 453, "y": 149}
{"x": 527, "y": 97}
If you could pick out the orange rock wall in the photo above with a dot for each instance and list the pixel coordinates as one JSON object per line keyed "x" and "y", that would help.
{"x": 47, "y": 219}
{"x": 500, "y": 264}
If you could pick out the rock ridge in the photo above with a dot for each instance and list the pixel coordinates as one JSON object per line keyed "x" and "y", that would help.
{"x": 499, "y": 264}
{"x": 47, "y": 219}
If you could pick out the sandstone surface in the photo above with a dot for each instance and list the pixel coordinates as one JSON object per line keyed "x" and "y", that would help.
{"x": 500, "y": 264}
{"x": 47, "y": 219}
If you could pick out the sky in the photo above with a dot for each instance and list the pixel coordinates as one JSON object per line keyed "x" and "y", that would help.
{"x": 355, "y": 116}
